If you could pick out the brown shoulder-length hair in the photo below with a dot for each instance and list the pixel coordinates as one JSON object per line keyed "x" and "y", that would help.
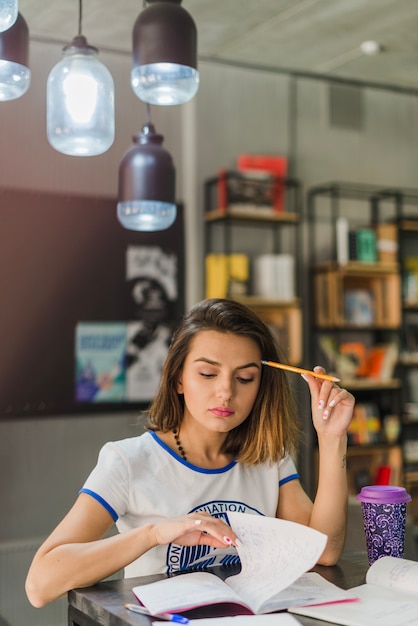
{"x": 271, "y": 428}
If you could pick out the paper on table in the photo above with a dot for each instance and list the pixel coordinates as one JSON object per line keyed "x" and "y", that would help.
{"x": 273, "y": 553}
{"x": 394, "y": 573}
{"x": 277, "y": 619}
{"x": 377, "y": 606}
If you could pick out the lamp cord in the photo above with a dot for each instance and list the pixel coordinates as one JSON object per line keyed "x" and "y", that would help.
{"x": 148, "y": 114}
{"x": 80, "y": 15}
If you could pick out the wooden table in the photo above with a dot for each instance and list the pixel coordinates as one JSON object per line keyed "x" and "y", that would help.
{"x": 103, "y": 603}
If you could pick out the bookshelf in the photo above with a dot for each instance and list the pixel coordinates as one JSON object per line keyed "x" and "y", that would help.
{"x": 405, "y": 202}
{"x": 251, "y": 241}
{"x": 356, "y": 322}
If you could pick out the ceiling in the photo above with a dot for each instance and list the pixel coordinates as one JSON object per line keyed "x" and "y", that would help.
{"x": 308, "y": 36}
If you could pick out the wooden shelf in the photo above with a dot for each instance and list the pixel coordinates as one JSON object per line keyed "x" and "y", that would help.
{"x": 358, "y": 268}
{"x": 370, "y": 383}
{"x": 252, "y": 301}
{"x": 333, "y": 284}
{"x": 411, "y": 225}
{"x": 252, "y": 215}
{"x": 285, "y": 321}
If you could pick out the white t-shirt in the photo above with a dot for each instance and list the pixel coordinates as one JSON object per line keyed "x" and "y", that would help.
{"x": 141, "y": 480}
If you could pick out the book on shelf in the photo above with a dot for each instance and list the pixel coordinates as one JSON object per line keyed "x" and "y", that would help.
{"x": 388, "y": 597}
{"x": 410, "y": 337}
{"x": 352, "y": 360}
{"x": 365, "y": 426}
{"x": 366, "y": 248}
{"x": 381, "y": 360}
{"x": 410, "y": 279}
{"x": 274, "y": 276}
{"x": 227, "y": 275}
{"x": 355, "y": 356}
{"x": 359, "y": 307}
{"x": 275, "y": 556}
{"x": 387, "y": 242}
{"x": 362, "y": 245}
{"x": 342, "y": 240}
{"x": 366, "y": 245}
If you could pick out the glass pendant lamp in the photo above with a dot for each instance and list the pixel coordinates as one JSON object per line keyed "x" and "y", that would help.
{"x": 8, "y": 14}
{"x": 164, "y": 69}
{"x": 80, "y": 101}
{"x": 147, "y": 184}
{"x": 15, "y": 74}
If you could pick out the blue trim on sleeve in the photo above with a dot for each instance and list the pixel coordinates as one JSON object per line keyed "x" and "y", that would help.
{"x": 288, "y": 479}
{"x": 201, "y": 470}
{"x": 101, "y": 501}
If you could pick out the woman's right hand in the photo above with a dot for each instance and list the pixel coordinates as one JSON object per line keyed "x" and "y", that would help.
{"x": 194, "y": 529}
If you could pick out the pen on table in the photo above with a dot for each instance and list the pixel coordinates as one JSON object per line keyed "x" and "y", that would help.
{"x": 168, "y": 617}
{"x": 299, "y": 370}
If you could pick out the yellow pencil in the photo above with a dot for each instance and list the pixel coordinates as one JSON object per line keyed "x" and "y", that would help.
{"x": 299, "y": 370}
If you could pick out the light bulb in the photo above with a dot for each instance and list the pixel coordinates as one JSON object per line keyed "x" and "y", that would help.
{"x": 80, "y": 102}
{"x": 8, "y": 14}
{"x": 14, "y": 80}
{"x": 165, "y": 83}
{"x": 146, "y": 215}
{"x": 15, "y": 74}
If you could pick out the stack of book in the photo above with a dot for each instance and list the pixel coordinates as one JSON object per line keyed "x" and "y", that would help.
{"x": 366, "y": 245}
{"x": 274, "y": 276}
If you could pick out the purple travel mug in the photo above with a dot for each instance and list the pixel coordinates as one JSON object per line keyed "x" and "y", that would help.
{"x": 384, "y": 519}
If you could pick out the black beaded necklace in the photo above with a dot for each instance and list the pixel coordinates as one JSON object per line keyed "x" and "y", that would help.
{"x": 178, "y": 444}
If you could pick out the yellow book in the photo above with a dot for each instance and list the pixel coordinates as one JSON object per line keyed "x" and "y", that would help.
{"x": 226, "y": 275}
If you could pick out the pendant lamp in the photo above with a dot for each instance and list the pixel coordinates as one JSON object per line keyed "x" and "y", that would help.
{"x": 14, "y": 55}
{"x": 80, "y": 101}
{"x": 147, "y": 184}
{"x": 164, "y": 69}
{"x": 8, "y": 14}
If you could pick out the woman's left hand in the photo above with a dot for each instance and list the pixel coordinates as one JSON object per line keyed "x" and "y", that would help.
{"x": 332, "y": 407}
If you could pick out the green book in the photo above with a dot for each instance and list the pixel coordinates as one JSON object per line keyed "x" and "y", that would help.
{"x": 366, "y": 247}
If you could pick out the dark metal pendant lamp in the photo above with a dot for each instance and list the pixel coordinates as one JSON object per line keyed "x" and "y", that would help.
{"x": 15, "y": 74}
{"x": 164, "y": 69}
{"x": 147, "y": 183}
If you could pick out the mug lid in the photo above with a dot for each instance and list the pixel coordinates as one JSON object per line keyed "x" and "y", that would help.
{"x": 383, "y": 494}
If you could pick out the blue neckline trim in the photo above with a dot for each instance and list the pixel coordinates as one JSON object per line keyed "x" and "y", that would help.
{"x": 178, "y": 458}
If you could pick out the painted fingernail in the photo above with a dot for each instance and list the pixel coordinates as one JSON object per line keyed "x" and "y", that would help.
{"x": 197, "y": 522}
{"x": 238, "y": 542}
{"x": 332, "y": 403}
{"x": 321, "y": 404}
{"x": 325, "y": 414}
{"x": 304, "y": 377}
{"x": 227, "y": 540}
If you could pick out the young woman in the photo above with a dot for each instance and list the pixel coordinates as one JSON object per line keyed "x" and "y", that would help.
{"x": 220, "y": 437}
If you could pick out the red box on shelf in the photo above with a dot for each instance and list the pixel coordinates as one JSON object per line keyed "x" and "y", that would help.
{"x": 274, "y": 165}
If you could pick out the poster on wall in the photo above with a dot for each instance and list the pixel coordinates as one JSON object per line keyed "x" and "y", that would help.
{"x": 122, "y": 361}
{"x": 87, "y": 308}
{"x": 100, "y": 362}
{"x": 152, "y": 275}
